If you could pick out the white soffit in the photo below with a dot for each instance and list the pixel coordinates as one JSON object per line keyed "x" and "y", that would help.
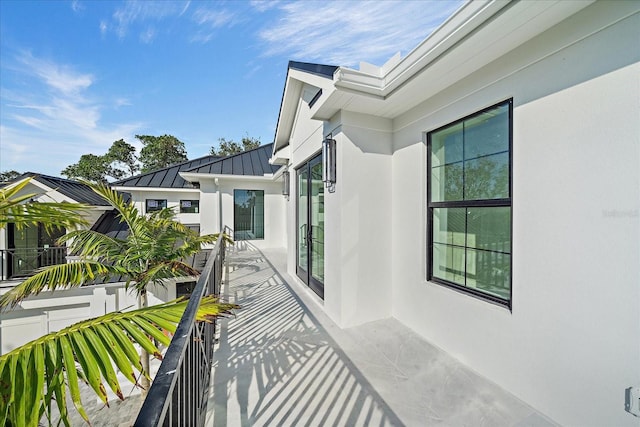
{"x": 199, "y": 177}
{"x": 477, "y": 34}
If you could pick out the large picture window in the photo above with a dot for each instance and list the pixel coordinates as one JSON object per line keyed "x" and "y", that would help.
{"x": 469, "y": 204}
{"x": 248, "y": 214}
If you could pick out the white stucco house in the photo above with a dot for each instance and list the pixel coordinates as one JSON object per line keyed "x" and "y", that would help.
{"x": 483, "y": 190}
{"x": 486, "y": 195}
{"x": 31, "y": 247}
{"x": 242, "y": 191}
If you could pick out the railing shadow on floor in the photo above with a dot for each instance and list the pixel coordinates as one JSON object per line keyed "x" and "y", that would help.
{"x": 277, "y": 365}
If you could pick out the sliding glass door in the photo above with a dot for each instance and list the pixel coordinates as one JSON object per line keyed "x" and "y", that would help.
{"x": 310, "y": 207}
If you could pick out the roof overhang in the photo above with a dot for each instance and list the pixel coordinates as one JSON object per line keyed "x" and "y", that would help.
{"x": 475, "y": 35}
{"x": 154, "y": 189}
{"x": 199, "y": 177}
{"x": 295, "y": 82}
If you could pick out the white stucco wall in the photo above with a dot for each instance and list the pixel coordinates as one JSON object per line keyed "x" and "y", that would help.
{"x": 274, "y": 209}
{"x": 359, "y": 266}
{"x": 172, "y": 196}
{"x": 571, "y": 344}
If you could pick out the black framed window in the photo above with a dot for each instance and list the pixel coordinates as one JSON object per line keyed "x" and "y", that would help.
{"x": 152, "y": 205}
{"x": 248, "y": 214}
{"x": 189, "y": 206}
{"x": 469, "y": 203}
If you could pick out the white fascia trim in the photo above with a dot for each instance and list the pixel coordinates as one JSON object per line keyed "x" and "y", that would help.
{"x": 40, "y": 185}
{"x": 155, "y": 189}
{"x": 197, "y": 177}
{"x": 281, "y": 156}
{"x": 296, "y": 79}
{"x": 51, "y": 193}
{"x": 463, "y": 22}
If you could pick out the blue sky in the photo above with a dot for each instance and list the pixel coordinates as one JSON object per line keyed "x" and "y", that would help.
{"x": 77, "y": 75}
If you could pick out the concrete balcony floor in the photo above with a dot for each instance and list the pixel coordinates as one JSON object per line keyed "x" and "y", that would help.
{"x": 282, "y": 361}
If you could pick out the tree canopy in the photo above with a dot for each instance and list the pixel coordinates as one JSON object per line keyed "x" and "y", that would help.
{"x": 229, "y": 147}
{"x": 160, "y": 151}
{"x": 90, "y": 167}
{"x": 119, "y": 162}
{"x": 6, "y": 176}
{"x": 122, "y": 158}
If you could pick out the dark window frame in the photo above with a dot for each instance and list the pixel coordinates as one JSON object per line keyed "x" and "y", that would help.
{"x": 197, "y": 203}
{"x": 502, "y": 202}
{"x": 162, "y": 203}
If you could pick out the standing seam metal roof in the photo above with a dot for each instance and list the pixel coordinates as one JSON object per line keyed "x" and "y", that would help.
{"x": 76, "y": 190}
{"x": 166, "y": 177}
{"x": 248, "y": 163}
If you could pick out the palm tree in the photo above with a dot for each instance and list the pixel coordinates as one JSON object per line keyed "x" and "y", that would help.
{"x": 153, "y": 251}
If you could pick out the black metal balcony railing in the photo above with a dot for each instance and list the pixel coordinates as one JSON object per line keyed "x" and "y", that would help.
{"x": 21, "y": 262}
{"x": 180, "y": 390}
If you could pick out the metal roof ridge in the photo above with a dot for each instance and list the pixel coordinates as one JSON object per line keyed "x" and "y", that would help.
{"x": 227, "y": 157}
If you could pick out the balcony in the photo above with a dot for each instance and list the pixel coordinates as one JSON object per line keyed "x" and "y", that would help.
{"x": 282, "y": 361}
{"x": 21, "y": 262}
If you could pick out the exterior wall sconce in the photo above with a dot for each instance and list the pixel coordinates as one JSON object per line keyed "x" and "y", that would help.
{"x": 329, "y": 163}
{"x": 286, "y": 177}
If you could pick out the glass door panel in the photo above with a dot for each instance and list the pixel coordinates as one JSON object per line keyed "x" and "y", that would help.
{"x": 310, "y": 223}
{"x": 316, "y": 217}
{"x": 303, "y": 176}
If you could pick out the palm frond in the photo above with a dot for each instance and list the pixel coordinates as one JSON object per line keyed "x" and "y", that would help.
{"x": 34, "y": 375}
{"x": 18, "y": 209}
{"x": 59, "y": 276}
{"x": 92, "y": 244}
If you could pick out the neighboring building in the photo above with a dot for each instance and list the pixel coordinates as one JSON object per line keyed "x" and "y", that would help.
{"x": 242, "y": 191}
{"x": 32, "y": 247}
{"x": 487, "y": 196}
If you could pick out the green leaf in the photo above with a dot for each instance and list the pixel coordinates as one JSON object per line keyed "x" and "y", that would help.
{"x": 6, "y": 390}
{"x": 72, "y": 376}
{"x": 55, "y": 387}
{"x": 125, "y": 343}
{"x": 115, "y": 352}
{"x": 89, "y": 365}
{"x": 104, "y": 361}
{"x": 139, "y": 337}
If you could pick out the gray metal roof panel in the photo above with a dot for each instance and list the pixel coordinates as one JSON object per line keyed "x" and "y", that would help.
{"x": 75, "y": 190}
{"x": 253, "y": 162}
{"x": 166, "y": 177}
{"x": 318, "y": 69}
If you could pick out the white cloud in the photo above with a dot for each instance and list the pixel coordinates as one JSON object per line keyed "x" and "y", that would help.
{"x": 140, "y": 11}
{"x": 213, "y": 18}
{"x": 52, "y": 118}
{"x": 59, "y": 77}
{"x": 345, "y": 33}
